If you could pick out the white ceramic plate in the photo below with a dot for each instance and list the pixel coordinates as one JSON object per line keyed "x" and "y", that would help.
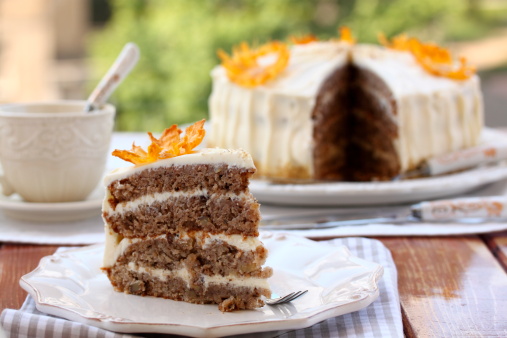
{"x": 376, "y": 193}
{"x": 71, "y": 285}
{"x": 14, "y": 207}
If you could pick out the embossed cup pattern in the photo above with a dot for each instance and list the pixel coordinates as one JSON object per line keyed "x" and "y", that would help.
{"x": 57, "y": 157}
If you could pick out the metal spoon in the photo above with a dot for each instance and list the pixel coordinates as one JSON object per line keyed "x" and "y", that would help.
{"x": 114, "y": 76}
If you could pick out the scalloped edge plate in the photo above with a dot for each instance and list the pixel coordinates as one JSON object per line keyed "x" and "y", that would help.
{"x": 70, "y": 285}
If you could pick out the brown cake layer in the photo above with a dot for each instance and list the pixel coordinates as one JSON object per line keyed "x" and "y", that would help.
{"x": 371, "y": 152}
{"x": 219, "y": 258}
{"x": 354, "y": 129}
{"x": 331, "y": 127}
{"x": 213, "y": 178}
{"x": 229, "y": 297}
{"x": 214, "y": 214}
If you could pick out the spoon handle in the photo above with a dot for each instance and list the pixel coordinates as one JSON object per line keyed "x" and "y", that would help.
{"x": 114, "y": 76}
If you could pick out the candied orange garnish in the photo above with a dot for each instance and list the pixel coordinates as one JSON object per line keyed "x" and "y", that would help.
{"x": 303, "y": 40}
{"x": 346, "y": 35}
{"x": 399, "y": 42}
{"x": 244, "y": 69}
{"x": 433, "y": 58}
{"x": 193, "y": 136}
{"x": 170, "y": 144}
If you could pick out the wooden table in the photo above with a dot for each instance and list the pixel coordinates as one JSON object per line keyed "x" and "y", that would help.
{"x": 449, "y": 286}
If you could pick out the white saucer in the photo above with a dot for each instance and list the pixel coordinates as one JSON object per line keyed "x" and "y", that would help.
{"x": 14, "y": 207}
{"x": 71, "y": 285}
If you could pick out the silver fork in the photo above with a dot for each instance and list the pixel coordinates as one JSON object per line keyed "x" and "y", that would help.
{"x": 285, "y": 299}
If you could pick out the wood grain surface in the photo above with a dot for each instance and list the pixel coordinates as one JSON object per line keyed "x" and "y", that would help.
{"x": 15, "y": 261}
{"x": 450, "y": 286}
{"x": 498, "y": 245}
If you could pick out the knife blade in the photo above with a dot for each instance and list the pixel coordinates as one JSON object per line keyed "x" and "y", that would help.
{"x": 461, "y": 210}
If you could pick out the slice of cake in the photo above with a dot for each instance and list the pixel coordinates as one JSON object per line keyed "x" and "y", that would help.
{"x": 182, "y": 224}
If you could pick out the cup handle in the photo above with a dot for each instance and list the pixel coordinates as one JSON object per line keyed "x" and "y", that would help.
{"x": 7, "y": 189}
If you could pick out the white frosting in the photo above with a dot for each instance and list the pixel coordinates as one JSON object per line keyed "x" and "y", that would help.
{"x": 162, "y": 274}
{"x": 160, "y": 197}
{"x": 231, "y": 157}
{"x": 183, "y": 273}
{"x": 273, "y": 122}
{"x": 243, "y": 243}
{"x": 116, "y": 244}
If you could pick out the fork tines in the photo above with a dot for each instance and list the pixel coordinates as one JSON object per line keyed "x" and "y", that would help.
{"x": 287, "y": 298}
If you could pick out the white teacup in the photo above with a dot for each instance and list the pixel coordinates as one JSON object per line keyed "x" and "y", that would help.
{"x": 53, "y": 151}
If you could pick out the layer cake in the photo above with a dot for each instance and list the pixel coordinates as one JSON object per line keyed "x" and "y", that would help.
{"x": 186, "y": 228}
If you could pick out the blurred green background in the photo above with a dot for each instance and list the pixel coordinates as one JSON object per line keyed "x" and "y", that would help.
{"x": 179, "y": 39}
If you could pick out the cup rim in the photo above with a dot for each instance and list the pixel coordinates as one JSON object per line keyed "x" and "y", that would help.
{"x": 4, "y": 109}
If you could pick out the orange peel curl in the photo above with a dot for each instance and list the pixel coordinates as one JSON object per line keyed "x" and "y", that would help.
{"x": 243, "y": 66}
{"x": 346, "y": 35}
{"x": 303, "y": 40}
{"x": 434, "y": 59}
{"x": 170, "y": 144}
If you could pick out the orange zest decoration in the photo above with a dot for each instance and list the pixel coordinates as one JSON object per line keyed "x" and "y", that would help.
{"x": 433, "y": 58}
{"x": 170, "y": 144}
{"x": 346, "y": 35}
{"x": 244, "y": 68}
{"x": 303, "y": 40}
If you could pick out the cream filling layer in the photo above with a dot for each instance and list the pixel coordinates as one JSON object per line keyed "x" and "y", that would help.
{"x": 184, "y": 274}
{"x": 160, "y": 197}
{"x": 116, "y": 245}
